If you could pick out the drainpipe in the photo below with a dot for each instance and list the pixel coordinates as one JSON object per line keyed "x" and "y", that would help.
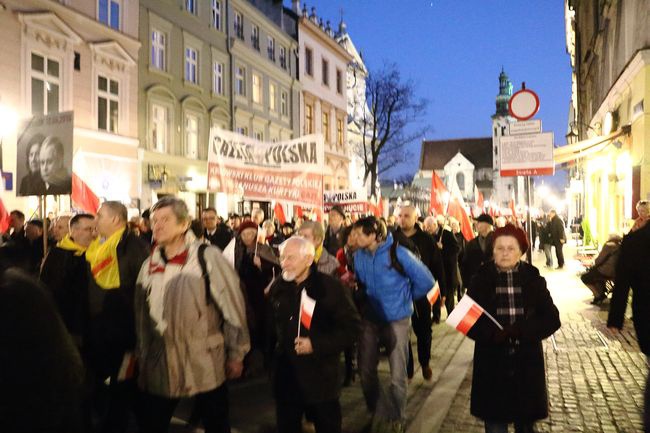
{"x": 232, "y": 67}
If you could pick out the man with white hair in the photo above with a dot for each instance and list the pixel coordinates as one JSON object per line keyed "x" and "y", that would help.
{"x": 314, "y": 319}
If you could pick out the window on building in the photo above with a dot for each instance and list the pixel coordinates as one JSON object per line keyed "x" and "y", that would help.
{"x": 259, "y": 135}
{"x": 309, "y": 119}
{"x": 191, "y": 136}
{"x": 309, "y": 62}
{"x": 108, "y": 12}
{"x": 270, "y": 48}
{"x": 191, "y": 5}
{"x": 283, "y": 58}
{"x": 159, "y": 127}
{"x": 45, "y": 84}
{"x": 284, "y": 103}
{"x": 339, "y": 82}
{"x": 257, "y": 88}
{"x": 326, "y": 127}
{"x": 191, "y": 65}
{"x": 339, "y": 132}
{"x": 326, "y": 72}
{"x": 239, "y": 25}
{"x": 460, "y": 180}
{"x": 272, "y": 96}
{"x": 216, "y": 14}
{"x": 108, "y": 96}
{"x": 243, "y": 130}
{"x": 255, "y": 37}
{"x": 158, "y": 49}
{"x": 217, "y": 78}
{"x": 240, "y": 81}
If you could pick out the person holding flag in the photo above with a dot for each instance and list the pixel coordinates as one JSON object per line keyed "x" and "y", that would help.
{"x": 508, "y": 382}
{"x": 314, "y": 319}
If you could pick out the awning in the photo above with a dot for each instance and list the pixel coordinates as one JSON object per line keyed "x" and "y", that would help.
{"x": 586, "y": 147}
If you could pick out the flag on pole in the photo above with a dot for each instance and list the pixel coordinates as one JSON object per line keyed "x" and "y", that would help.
{"x": 438, "y": 191}
{"x": 4, "y": 218}
{"x": 478, "y": 198}
{"x": 307, "y": 306}
{"x": 83, "y": 197}
{"x": 434, "y": 294}
{"x": 457, "y": 210}
{"x": 468, "y": 314}
{"x": 297, "y": 211}
{"x": 279, "y": 213}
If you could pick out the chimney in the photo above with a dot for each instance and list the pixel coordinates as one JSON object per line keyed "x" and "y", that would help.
{"x": 295, "y": 6}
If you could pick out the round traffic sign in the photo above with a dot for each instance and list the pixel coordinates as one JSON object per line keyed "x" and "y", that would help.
{"x": 524, "y": 104}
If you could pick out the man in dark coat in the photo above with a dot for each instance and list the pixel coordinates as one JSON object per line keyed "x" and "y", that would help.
{"x": 111, "y": 339}
{"x": 508, "y": 381}
{"x": 429, "y": 255}
{"x": 309, "y": 343}
{"x": 633, "y": 271}
{"x": 478, "y": 250}
{"x": 216, "y": 232}
{"x": 447, "y": 243}
{"x": 334, "y": 227}
{"x": 558, "y": 236}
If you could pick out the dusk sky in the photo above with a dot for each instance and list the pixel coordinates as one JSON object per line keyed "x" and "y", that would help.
{"x": 454, "y": 50}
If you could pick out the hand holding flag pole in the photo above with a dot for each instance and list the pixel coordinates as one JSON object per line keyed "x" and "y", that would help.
{"x": 466, "y": 314}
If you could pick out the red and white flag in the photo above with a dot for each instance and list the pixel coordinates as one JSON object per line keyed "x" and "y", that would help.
{"x": 127, "y": 368}
{"x": 457, "y": 210}
{"x": 438, "y": 193}
{"x": 466, "y": 314}
{"x": 307, "y": 306}
{"x": 279, "y": 213}
{"x": 478, "y": 198}
{"x": 434, "y": 294}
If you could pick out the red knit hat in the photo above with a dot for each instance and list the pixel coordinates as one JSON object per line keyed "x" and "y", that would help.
{"x": 515, "y": 232}
{"x": 247, "y": 225}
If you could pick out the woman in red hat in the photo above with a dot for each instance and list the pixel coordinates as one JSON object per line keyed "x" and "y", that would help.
{"x": 509, "y": 382}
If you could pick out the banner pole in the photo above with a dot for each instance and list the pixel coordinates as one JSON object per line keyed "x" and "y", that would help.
{"x": 45, "y": 227}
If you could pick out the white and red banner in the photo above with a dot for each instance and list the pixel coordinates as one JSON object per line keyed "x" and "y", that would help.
{"x": 286, "y": 171}
{"x": 350, "y": 200}
{"x": 438, "y": 195}
{"x": 307, "y": 306}
{"x": 466, "y": 315}
{"x": 433, "y": 294}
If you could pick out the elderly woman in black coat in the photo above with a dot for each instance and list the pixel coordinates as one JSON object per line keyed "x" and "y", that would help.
{"x": 509, "y": 382}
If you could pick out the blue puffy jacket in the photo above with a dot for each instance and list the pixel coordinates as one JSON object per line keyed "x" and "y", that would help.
{"x": 390, "y": 293}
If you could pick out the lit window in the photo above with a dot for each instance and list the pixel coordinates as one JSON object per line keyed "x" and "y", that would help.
{"x": 191, "y": 136}
{"x": 284, "y": 103}
{"x": 326, "y": 127}
{"x": 216, "y": 14}
{"x": 159, "y": 128}
{"x": 339, "y": 132}
{"x": 339, "y": 82}
{"x": 309, "y": 119}
{"x": 240, "y": 81}
{"x": 242, "y": 130}
{"x": 108, "y": 12}
{"x": 158, "y": 48}
{"x": 108, "y": 92}
{"x": 259, "y": 135}
{"x": 191, "y": 65}
{"x": 257, "y": 88}
{"x": 217, "y": 78}
{"x": 272, "y": 96}
{"x": 270, "y": 49}
{"x": 45, "y": 82}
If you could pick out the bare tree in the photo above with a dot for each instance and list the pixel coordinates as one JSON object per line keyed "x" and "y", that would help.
{"x": 389, "y": 124}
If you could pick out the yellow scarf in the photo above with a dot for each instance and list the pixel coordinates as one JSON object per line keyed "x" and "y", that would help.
{"x": 68, "y": 244}
{"x": 318, "y": 253}
{"x": 103, "y": 260}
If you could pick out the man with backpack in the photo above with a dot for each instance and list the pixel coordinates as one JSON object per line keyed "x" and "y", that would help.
{"x": 423, "y": 245}
{"x": 387, "y": 304}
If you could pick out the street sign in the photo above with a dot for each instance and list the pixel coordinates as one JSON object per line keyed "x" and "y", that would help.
{"x": 533, "y": 126}
{"x": 524, "y": 104}
{"x": 527, "y": 155}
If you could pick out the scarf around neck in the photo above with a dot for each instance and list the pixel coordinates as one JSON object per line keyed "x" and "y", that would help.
{"x": 102, "y": 257}
{"x": 69, "y": 245}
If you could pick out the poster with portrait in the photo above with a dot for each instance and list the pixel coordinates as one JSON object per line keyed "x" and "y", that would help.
{"x": 44, "y": 156}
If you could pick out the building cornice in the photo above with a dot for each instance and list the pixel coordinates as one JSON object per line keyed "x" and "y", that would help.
{"x": 305, "y": 24}
{"x": 259, "y": 17}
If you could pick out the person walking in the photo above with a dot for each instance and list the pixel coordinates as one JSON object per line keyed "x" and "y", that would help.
{"x": 508, "y": 380}
{"x": 314, "y": 319}
{"x": 479, "y": 250}
{"x": 633, "y": 272}
{"x": 386, "y": 311}
{"x": 191, "y": 324}
{"x": 558, "y": 236}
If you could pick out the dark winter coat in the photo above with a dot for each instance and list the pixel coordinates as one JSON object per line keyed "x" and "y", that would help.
{"x": 556, "y": 227}
{"x": 545, "y": 234}
{"x": 112, "y": 322}
{"x": 633, "y": 271}
{"x": 474, "y": 257}
{"x": 221, "y": 236}
{"x": 335, "y": 325}
{"x": 428, "y": 251}
{"x": 450, "y": 251}
{"x": 509, "y": 388}
{"x": 331, "y": 242}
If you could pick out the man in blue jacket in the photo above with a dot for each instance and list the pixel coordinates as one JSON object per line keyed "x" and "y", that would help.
{"x": 390, "y": 278}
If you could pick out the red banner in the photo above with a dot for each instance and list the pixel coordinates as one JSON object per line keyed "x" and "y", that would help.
{"x": 288, "y": 171}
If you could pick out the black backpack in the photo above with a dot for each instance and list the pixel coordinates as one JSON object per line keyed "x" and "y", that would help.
{"x": 406, "y": 243}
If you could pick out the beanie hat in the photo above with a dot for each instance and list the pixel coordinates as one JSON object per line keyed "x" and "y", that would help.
{"x": 338, "y": 210}
{"x": 515, "y": 232}
{"x": 248, "y": 224}
{"x": 485, "y": 218}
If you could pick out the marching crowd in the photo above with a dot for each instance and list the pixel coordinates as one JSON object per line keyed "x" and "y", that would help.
{"x": 121, "y": 319}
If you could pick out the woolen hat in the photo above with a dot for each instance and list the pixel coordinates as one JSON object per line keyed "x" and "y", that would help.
{"x": 247, "y": 225}
{"x": 485, "y": 218}
{"x": 338, "y": 210}
{"x": 515, "y": 232}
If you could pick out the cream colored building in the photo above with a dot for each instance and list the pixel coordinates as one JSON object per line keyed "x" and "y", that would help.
{"x": 79, "y": 56}
{"x": 323, "y": 101}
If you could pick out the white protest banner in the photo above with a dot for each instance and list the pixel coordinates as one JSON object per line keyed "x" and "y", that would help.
{"x": 350, "y": 200}
{"x": 286, "y": 171}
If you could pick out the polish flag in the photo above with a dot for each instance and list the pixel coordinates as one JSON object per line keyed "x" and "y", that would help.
{"x": 478, "y": 198}
{"x": 297, "y": 211}
{"x": 279, "y": 213}
{"x": 83, "y": 197}
{"x": 467, "y": 314}
{"x": 4, "y": 218}
{"x": 127, "y": 369}
{"x": 307, "y": 306}
{"x": 511, "y": 205}
{"x": 433, "y": 294}
{"x": 457, "y": 210}
{"x": 438, "y": 192}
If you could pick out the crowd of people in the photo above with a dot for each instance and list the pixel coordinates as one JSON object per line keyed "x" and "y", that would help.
{"x": 161, "y": 308}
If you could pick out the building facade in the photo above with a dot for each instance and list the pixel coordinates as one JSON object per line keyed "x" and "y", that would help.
{"x": 609, "y": 126}
{"x": 76, "y": 56}
{"x": 323, "y": 100}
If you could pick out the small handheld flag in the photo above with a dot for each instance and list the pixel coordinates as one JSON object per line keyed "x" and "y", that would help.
{"x": 433, "y": 294}
{"x": 307, "y": 306}
{"x": 466, "y": 314}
